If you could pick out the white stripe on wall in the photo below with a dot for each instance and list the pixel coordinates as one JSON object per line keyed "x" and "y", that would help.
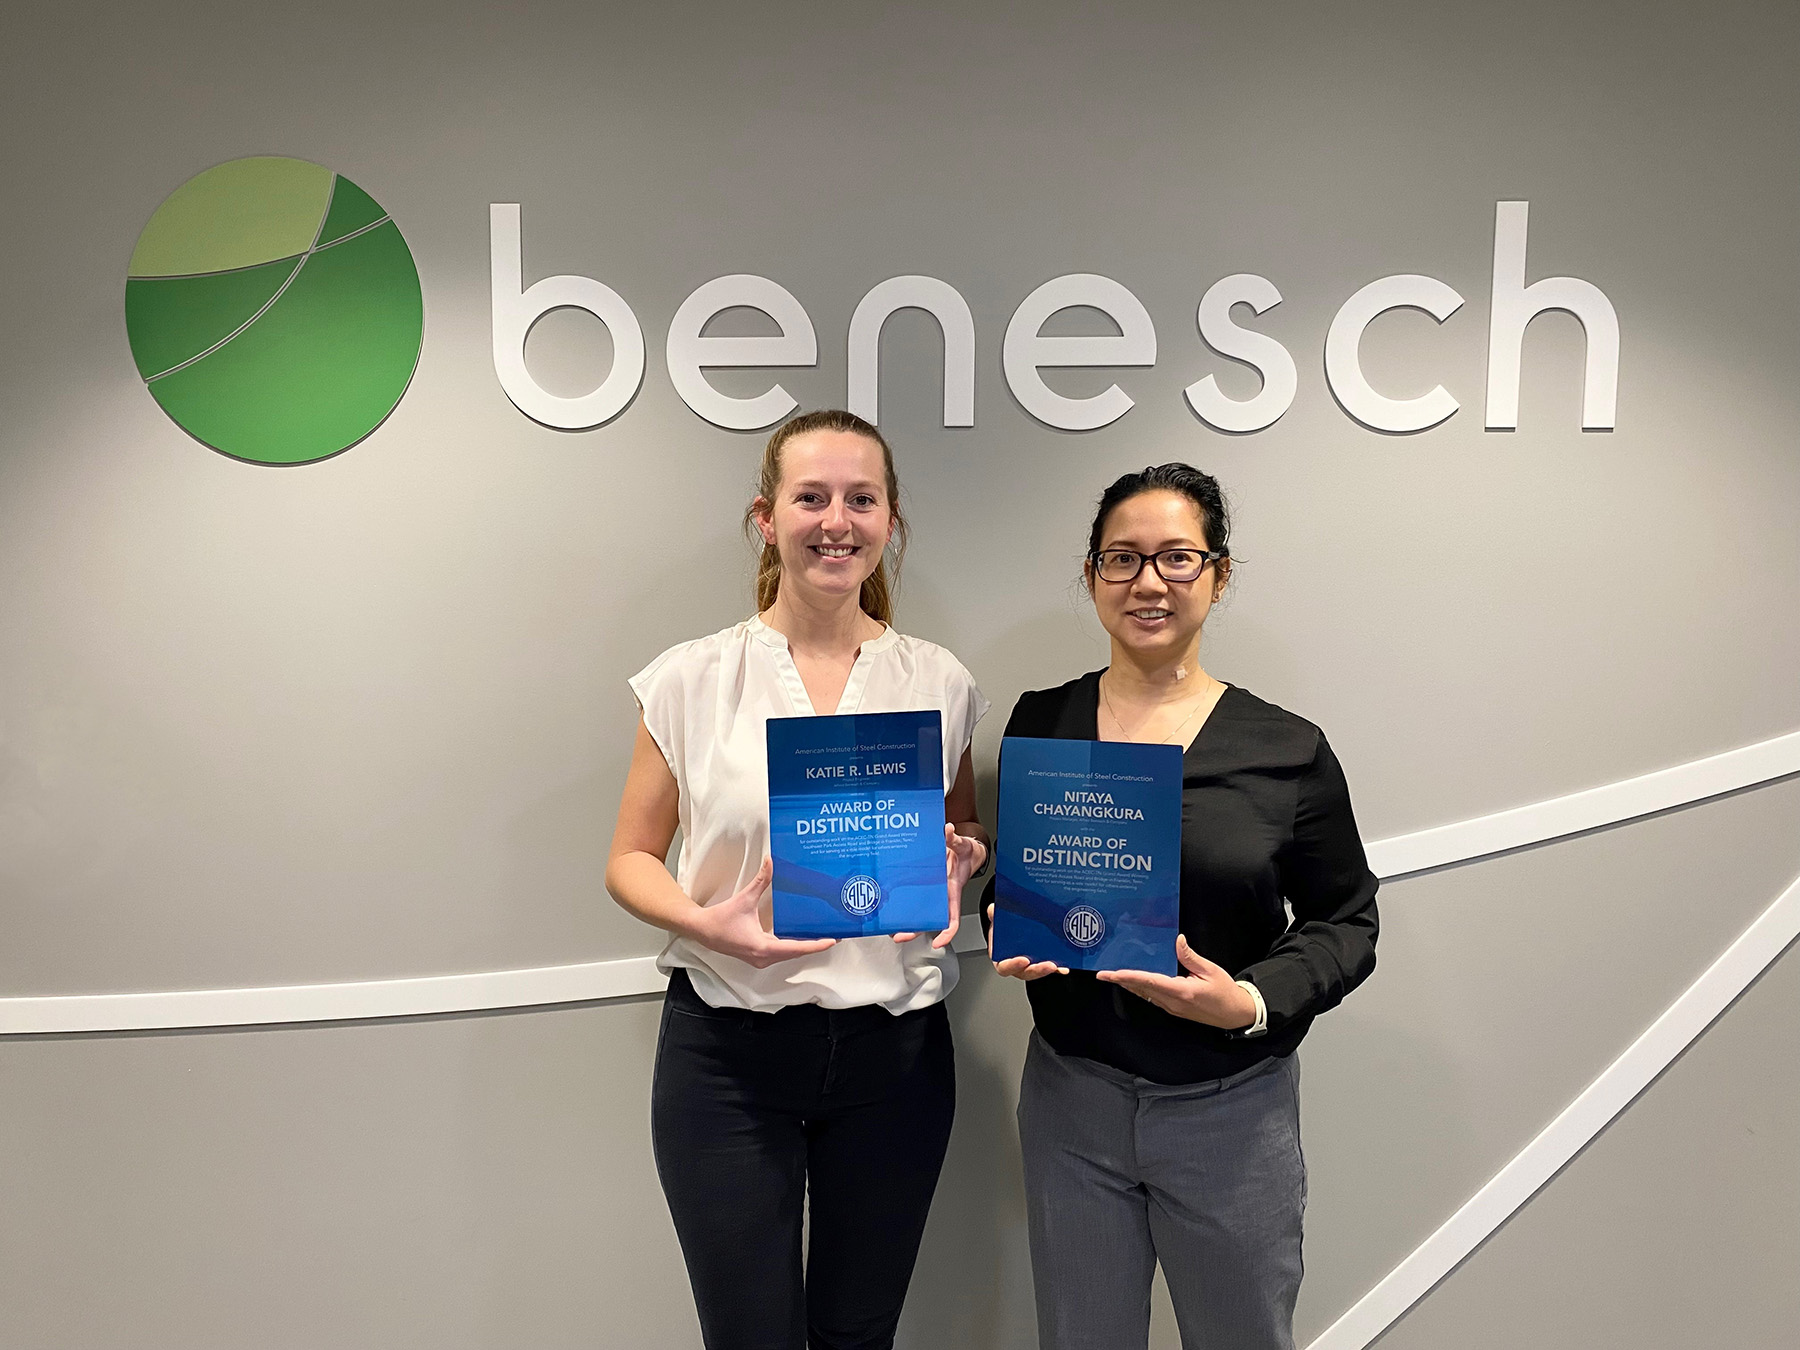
{"x": 419, "y": 997}
{"x": 1560, "y": 817}
{"x": 428, "y": 995}
{"x": 1597, "y": 1106}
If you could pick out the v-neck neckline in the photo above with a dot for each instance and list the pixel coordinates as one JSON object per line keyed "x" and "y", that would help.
{"x": 1199, "y": 735}
{"x": 850, "y": 700}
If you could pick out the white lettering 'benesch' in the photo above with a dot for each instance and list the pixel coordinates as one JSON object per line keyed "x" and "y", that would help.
{"x": 861, "y": 895}
{"x": 1026, "y": 349}
{"x": 1084, "y": 926}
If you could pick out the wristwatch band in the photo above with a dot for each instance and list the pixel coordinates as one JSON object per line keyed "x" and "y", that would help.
{"x": 1261, "y": 1024}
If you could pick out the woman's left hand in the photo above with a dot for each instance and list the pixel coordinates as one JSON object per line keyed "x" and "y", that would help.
{"x": 963, "y": 856}
{"x": 1207, "y": 993}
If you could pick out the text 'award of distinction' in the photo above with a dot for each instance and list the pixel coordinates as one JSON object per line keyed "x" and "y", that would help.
{"x": 1089, "y": 854}
{"x": 856, "y": 824}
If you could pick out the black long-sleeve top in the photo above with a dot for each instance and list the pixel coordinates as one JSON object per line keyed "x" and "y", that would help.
{"x": 1265, "y": 817}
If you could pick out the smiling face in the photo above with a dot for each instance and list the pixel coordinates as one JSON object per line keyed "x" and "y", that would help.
{"x": 1147, "y": 614}
{"x": 830, "y": 517}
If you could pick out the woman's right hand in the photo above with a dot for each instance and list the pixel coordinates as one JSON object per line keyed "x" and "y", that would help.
{"x": 1020, "y": 967}
{"x": 734, "y": 927}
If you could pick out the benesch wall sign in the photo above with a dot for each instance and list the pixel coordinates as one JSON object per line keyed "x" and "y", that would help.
{"x": 1026, "y": 350}
{"x": 275, "y": 313}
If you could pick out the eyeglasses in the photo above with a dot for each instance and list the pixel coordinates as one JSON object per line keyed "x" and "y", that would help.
{"x": 1172, "y": 564}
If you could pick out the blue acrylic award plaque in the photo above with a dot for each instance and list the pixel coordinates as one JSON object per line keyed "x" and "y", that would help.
{"x": 1089, "y": 854}
{"x": 856, "y": 824}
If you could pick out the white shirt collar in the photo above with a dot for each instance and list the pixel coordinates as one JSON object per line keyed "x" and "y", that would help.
{"x": 763, "y": 633}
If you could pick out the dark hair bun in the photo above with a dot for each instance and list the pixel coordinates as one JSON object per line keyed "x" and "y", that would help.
{"x": 1202, "y": 489}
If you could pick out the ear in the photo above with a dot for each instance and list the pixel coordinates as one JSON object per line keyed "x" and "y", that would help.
{"x": 1223, "y": 567}
{"x": 765, "y": 523}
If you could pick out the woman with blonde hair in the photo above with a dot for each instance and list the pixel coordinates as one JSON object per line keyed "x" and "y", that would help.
{"x": 794, "y": 1075}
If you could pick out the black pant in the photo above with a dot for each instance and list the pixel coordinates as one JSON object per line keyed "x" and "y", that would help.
{"x": 752, "y": 1111}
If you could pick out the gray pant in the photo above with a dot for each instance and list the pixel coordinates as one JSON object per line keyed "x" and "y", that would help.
{"x": 1206, "y": 1177}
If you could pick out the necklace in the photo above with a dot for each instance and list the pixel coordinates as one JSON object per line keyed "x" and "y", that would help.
{"x": 1166, "y": 740}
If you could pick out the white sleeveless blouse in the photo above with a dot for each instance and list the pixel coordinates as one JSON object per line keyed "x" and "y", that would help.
{"x": 705, "y": 704}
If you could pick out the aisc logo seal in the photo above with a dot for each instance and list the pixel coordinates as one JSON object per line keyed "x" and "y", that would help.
{"x": 861, "y": 895}
{"x": 1084, "y": 926}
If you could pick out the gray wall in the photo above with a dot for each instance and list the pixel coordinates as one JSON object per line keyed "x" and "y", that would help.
{"x": 366, "y": 719}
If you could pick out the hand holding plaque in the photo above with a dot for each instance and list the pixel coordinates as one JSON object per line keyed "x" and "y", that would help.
{"x": 734, "y": 926}
{"x": 1019, "y": 967}
{"x": 1204, "y": 991}
{"x": 960, "y": 863}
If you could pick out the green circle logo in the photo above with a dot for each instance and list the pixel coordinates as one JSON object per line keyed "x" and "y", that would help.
{"x": 274, "y": 310}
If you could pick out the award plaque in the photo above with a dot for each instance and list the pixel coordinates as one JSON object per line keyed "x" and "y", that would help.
{"x": 856, "y": 824}
{"x": 1089, "y": 854}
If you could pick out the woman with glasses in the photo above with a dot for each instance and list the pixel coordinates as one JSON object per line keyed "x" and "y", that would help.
{"x": 793, "y": 1075}
{"x": 1159, "y": 1116}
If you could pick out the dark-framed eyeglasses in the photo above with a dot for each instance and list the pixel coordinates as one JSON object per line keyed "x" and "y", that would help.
{"x": 1171, "y": 564}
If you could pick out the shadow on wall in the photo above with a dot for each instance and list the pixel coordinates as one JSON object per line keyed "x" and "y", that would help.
{"x": 1379, "y": 1108}
{"x": 972, "y": 1286}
